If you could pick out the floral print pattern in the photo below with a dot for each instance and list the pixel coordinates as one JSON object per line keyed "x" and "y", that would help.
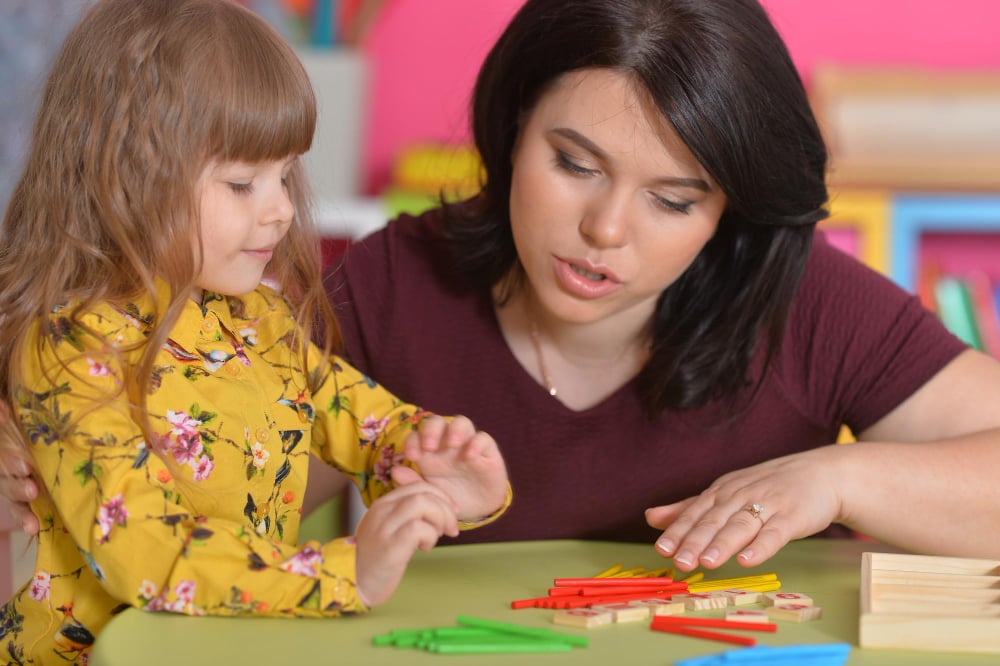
{"x": 199, "y": 513}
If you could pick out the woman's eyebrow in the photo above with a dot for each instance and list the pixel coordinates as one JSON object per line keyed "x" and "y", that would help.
{"x": 596, "y": 151}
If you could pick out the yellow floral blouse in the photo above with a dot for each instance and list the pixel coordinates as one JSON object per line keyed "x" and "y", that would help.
{"x": 204, "y": 520}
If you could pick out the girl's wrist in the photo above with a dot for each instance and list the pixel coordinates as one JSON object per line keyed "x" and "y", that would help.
{"x": 486, "y": 520}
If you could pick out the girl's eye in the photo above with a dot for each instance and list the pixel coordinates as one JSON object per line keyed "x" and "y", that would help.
{"x": 241, "y": 188}
{"x": 674, "y": 206}
{"x": 564, "y": 162}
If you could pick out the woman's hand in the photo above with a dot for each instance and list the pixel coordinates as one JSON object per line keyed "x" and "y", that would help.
{"x": 795, "y": 496}
{"x": 18, "y": 487}
{"x": 465, "y": 464}
{"x": 413, "y": 515}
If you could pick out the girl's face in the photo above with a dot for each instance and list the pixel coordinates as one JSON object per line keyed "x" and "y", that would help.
{"x": 608, "y": 207}
{"x": 245, "y": 212}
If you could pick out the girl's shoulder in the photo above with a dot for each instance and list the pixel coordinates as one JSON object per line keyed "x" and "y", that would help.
{"x": 100, "y": 323}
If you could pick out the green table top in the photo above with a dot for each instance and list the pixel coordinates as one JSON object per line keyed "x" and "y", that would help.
{"x": 481, "y": 580}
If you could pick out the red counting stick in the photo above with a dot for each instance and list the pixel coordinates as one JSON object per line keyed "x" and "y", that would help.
{"x": 680, "y": 620}
{"x": 701, "y": 633}
{"x": 528, "y": 603}
{"x": 672, "y": 588}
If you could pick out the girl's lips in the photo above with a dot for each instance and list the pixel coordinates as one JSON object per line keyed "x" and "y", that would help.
{"x": 262, "y": 255}
{"x": 575, "y": 277}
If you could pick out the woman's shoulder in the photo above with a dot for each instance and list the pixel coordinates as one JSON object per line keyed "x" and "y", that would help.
{"x": 406, "y": 235}
{"x": 835, "y": 278}
{"x": 411, "y": 253}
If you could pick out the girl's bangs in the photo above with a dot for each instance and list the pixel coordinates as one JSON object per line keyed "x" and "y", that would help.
{"x": 259, "y": 102}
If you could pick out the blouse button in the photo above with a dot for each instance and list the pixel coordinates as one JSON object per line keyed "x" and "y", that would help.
{"x": 262, "y": 435}
{"x": 234, "y": 367}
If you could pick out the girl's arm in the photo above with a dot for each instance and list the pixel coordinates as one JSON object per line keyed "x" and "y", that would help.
{"x": 367, "y": 432}
{"x": 399, "y": 455}
{"x": 107, "y": 493}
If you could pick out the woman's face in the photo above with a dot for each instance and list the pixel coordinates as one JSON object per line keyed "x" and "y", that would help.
{"x": 608, "y": 207}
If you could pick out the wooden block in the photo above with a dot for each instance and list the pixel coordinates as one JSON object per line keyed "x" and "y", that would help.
{"x": 702, "y": 600}
{"x": 661, "y": 606}
{"x": 746, "y": 615}
{"x": 583, "y": 617}
{"x": 925, "y": 602}
{"x": 741, "y": 597}
{"x": 795, "y": 612}
{"x": 778, "y": 598}
{"x": 625, "y": 612}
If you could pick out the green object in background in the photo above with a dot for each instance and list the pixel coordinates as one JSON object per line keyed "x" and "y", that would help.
{"x": 956, "y": 310}
{"x": 403, "y": 201}
{"x": 323, "y": 523}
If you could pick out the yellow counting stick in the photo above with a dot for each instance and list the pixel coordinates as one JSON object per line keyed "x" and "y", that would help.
{"x": 610, "y": 571}
{"x": 629, "y": 573}
{"x": 662, "y": 572}
{"x": 741, "y": 582}
{"x": 694, "y": 578}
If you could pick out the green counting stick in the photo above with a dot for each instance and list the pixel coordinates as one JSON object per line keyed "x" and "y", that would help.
{"x": 472, "y": 636}
{"x": 498, "y": 647}
{"x": 518, "y": 630}
{"x": 413, "y": 637}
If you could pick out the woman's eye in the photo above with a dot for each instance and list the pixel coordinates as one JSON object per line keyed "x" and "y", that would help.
{"x": 675, "y": 206}
{"x": 241, "y": 188}
{"x": 563, "y": 160}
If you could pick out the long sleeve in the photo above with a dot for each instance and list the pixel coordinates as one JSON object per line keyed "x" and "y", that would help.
{"x": 161, "y": 543}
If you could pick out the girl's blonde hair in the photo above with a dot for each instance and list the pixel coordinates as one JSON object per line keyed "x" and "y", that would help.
{"x": 142, "y": 97}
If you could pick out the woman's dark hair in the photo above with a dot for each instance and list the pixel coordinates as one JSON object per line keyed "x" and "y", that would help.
{"x": 722, "y": 76}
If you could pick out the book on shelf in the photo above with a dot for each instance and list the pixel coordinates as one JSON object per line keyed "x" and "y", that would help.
{"x": 954, "y": 305}
{"x": 986, "y": 310}
{"x": 969, "y": 306}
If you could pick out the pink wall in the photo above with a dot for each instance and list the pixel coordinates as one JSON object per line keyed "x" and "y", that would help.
{"x": 424, "y": 54}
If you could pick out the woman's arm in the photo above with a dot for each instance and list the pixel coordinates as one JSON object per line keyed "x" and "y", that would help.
{"x": 921, "y": 478}
{"x": 925, "y": 476}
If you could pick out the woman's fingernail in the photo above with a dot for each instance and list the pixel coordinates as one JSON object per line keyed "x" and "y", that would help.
{"x": 684, "y": 558}
{"x": 666, "y": 546}
{"x": 745, "y": 555}
{"x": 710, "y": 556}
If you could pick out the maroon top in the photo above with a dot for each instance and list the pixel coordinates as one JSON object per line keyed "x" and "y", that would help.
{"x": 856, "y": 346}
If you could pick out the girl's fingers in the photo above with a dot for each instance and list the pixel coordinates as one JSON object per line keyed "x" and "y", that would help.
{"x": 418, "y": 501}
{"x": 458, "y": 432}
{"x": 404, "y": 476}
{"x": 430, "y": 433}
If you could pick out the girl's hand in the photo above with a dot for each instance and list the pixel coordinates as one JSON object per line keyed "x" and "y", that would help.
{"x": 464, "y": 463}
{"x": 797, "y": 495}
{"x": 408, "y": 517}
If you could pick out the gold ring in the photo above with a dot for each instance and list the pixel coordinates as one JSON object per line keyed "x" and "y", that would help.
{"x": 755, "y": 511}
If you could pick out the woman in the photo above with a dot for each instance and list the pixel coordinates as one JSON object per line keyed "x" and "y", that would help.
{"x": 635, "y": 308}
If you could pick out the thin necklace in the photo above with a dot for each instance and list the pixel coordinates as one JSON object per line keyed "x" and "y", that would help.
{"x": 537, "y": 341}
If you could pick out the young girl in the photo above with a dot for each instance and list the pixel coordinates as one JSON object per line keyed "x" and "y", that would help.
{"x": 169, "y": 400}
